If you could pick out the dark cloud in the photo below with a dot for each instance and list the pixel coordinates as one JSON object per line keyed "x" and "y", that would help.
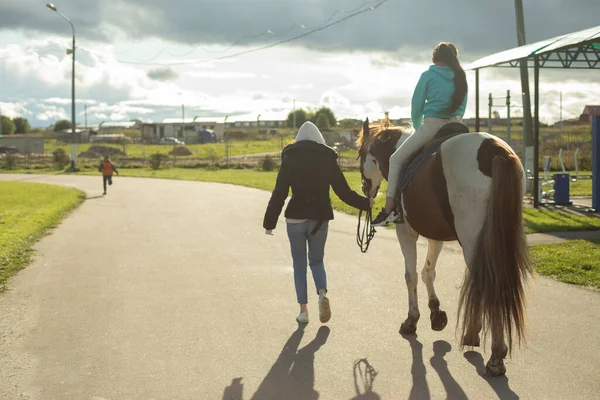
{"x": 162, "y": 74}
{"x": 478, "y": 27}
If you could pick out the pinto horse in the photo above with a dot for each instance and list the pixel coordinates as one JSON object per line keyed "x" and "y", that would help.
{"x": 470, "y": 190}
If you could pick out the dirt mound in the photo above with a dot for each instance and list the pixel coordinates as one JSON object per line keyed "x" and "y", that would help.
{"x": 104, "y": 150}
{"x": 180, "y": 151}
{"x": 89, "y": 154}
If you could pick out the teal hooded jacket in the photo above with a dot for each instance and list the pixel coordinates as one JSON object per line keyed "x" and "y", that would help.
{"x": 433, "y": 96}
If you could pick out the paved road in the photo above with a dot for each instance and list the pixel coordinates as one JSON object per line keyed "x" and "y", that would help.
{"x": 171, "y": 290}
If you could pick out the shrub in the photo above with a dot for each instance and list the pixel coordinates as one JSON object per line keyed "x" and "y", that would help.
{"x": 157, "y": 159}
{"x": 10, "y": 161}
{"x": 268, "y": 164}
{"x": 60, "y": 158}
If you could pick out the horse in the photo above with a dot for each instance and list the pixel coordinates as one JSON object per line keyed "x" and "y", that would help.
{"x": 471, "y": 190}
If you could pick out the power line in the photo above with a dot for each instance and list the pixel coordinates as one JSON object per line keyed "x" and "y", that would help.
{"x": 265, "y": 47}
{"x": 266, "y": 31}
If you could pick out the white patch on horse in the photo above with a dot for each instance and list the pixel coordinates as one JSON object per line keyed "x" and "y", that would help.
{"x": 468, "y": 188}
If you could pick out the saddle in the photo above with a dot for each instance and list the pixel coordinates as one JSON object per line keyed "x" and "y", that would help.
{"x": 417, "y": 159}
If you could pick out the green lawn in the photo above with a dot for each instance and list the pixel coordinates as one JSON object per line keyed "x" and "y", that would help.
{"x": 543, "y": 220}
{"x": 540, "y": 220}
{"x": 576, "y": 262}
{"x": 27, "y": 211}
{"x": 203, "y": 151}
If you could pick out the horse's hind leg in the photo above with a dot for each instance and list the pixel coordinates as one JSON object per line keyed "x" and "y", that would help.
{"x": 438, "y": 318}
{"x": 408, "y": 243}
{"x": 471, "y": 337}
{"x": 495, "y": 366}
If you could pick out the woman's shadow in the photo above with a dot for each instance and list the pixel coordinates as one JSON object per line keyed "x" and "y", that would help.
{"x": 292, "y": 376}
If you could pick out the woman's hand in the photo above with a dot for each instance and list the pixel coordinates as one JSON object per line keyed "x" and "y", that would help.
{"x": 269, "y": 232}
{"x": 371, "y": 202}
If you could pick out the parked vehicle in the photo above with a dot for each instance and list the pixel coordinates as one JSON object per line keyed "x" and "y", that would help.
{"x": 171, "y": 141}
{"x": 8, "y": 150}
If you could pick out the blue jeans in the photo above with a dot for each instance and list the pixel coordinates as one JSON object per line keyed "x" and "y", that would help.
{"x": 300, "y": 235}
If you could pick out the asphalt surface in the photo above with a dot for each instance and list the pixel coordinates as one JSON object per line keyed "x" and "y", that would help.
{"x": 171, "y": 290}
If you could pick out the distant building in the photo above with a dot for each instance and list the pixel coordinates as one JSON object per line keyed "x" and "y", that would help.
{"x": 120, "y": 125}
{"x": 588, "y": 111}
{"x": 26, "y": 144}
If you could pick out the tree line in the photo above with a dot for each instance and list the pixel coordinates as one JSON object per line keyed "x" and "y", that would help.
{"x": 20, "y": 125}
{"x": 324, "y": 118}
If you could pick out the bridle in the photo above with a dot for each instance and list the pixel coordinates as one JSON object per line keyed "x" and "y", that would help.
{"x": 366, "y": 234}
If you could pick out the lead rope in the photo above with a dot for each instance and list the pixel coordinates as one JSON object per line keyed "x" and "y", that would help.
{"x": 368, "y": 231}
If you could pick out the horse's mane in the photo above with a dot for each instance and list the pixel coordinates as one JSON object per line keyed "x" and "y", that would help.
{"x": 381, "y": 130}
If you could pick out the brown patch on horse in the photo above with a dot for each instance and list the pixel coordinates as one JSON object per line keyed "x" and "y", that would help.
{"x": 427, "y": 203}
{"x": 489, "y": 149}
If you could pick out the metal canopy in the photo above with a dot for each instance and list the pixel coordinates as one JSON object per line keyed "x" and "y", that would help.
{"x": 579, "y": 50}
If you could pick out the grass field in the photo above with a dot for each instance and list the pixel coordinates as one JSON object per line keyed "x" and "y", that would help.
{"x": 540, "y": 220}
{"x": 27, "y": 211}
{"x": 203, "y": 151}
{"x": 576, "y": 262}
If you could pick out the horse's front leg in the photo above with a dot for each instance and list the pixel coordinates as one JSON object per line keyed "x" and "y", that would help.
{"x": 408, "y": 243}
{"x": 438, "y": 318}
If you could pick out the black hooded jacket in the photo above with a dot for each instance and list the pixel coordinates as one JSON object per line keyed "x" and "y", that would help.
{"x": 309, "y": 168}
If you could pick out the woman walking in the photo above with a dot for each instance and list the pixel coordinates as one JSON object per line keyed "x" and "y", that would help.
{"x": 310, "y": 168}
{"x": 440, "y": 97}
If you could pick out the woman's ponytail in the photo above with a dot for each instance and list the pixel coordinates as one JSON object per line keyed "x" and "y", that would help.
{"x": 448, "y": 54}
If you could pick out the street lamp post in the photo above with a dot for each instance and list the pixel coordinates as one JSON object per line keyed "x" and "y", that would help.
{"x": 71, "y": 51}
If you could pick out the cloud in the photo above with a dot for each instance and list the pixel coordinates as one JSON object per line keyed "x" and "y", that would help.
{"x": 221, "y": 75}
{"x": 52, "y": 113}
{"x": 162, "y": 74}
{"x": 354, "y": 84}
{"x": 482, "y": 26}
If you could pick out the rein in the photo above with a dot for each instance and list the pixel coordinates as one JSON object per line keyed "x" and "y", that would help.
{"x": 363, "y": 239}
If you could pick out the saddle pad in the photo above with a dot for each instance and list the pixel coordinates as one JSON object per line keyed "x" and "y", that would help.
{"x": 411, "y": 169}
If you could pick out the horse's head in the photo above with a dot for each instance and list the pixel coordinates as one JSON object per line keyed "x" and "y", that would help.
{"x": 375, "y": 144}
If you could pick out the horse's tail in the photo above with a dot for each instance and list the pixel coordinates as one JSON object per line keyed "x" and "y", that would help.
{"x": 493, "y": 291}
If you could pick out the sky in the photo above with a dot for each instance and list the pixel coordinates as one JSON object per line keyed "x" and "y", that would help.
{"x": 145, "y": 59}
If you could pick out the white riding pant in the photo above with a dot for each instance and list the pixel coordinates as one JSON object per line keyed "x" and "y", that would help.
{"x": 416, "y": 141}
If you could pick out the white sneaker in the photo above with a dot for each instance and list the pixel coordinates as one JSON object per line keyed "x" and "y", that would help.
{"x": 384, "y": 218}
{"x": 324, "y": 309}
{"x": 302, "y": 318}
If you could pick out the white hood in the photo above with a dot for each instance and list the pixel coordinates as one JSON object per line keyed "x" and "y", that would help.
{"x": 309, "y": 131}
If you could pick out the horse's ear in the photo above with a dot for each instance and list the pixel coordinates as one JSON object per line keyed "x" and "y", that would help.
{"x": 366, "y": 131}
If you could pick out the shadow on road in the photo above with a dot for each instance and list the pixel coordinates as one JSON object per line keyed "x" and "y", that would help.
{"x": 95, "y": 197}
{"x": 420, "y": 389}
{"x": 292, "y": 376}
{"x": 365, "y": 374}
{"x": 499, "y": 384}
{"x": 453, "y": 389}
{"x": 234, "y": 391}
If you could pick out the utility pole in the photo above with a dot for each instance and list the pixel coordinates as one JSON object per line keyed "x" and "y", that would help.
{"x": 508, "y": 117}
{"x": 182, "y": 120}
{"x": 294, "y": 114}
{"x": 528, "y": 142}
{"x": 561, "y": 118}
{"x": 490, "y": 105}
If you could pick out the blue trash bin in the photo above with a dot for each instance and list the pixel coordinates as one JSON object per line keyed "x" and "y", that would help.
{"x": 561, "y": 188}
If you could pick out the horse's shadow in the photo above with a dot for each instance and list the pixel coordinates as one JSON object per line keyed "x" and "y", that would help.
{"x": 365, "y": 374}
{"x": 499, "y": 383}
{"x": 420, "y": 388}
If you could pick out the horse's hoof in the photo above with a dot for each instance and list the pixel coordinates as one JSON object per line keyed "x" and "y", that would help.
{"x": 496, "y": 368}
{"x": 439, "y": 320}
{"x": 471, "y": 341}
{"x": 408, "y": 328}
